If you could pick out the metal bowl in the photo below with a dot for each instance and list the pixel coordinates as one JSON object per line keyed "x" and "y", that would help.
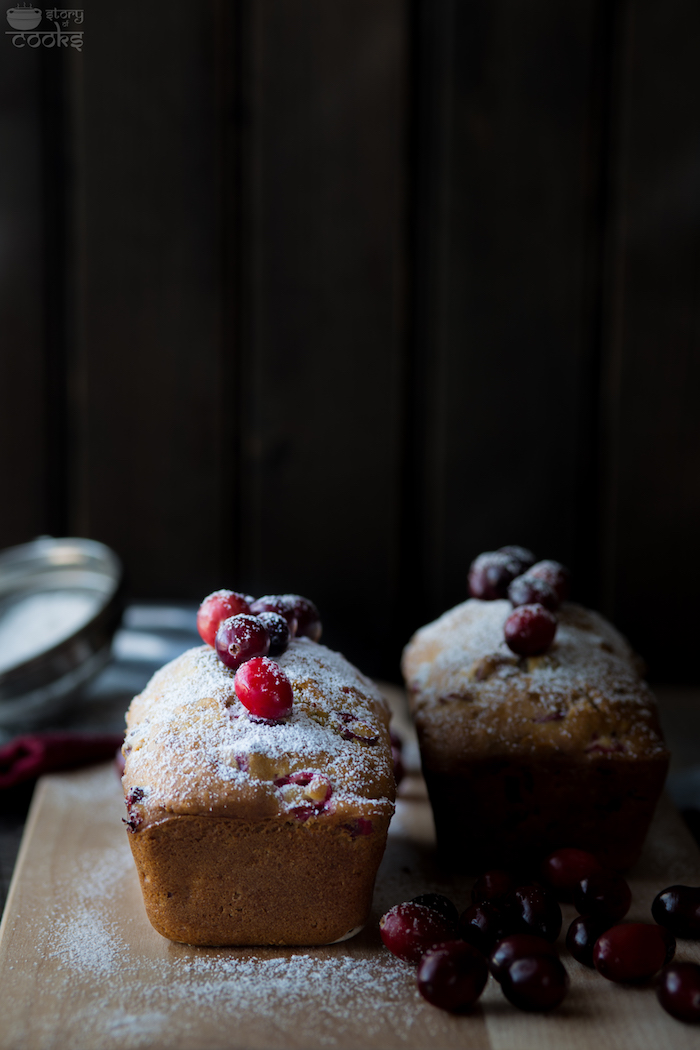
{"x": 83, "y": 572}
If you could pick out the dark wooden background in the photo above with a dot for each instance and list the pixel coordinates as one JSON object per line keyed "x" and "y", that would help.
{"x": 330, "y": 296}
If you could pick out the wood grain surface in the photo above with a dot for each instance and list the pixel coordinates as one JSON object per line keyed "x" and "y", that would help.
{"x": 80, "y": 965}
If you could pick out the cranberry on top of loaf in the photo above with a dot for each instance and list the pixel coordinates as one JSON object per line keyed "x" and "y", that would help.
{"x": 584, "y": 696}
{"x": 192, "y": 747}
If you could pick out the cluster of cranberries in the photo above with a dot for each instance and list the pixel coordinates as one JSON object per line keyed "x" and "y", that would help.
{"x": 510, "y": 929}
{"x": 535, "y": 589}
{"x": 246, "y": 632}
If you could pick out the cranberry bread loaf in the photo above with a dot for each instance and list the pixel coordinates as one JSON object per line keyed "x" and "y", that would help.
{"x": 523, "y": 755}
{"x": 247, "y": 832}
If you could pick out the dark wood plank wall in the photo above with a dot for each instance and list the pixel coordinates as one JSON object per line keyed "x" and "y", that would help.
{"x": 334, "y": 296}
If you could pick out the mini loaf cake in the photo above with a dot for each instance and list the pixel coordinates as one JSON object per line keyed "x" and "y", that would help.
{"x": 253, "y": 832}
{"x": 525, "y": 754}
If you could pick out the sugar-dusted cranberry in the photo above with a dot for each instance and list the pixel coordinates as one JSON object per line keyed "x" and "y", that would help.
{"x": 492, "y": 885}
{"x": 564, "y": 869}
{"x": 277, "y": 603}
{"x": 439, "y": 903}
{"x": 678, "y": 909}
{"x": 490, "y": 574}
{"x": 240, "y": 638}
{"x": 307, "y": 616}
{"x": 534, "y": 910}
{"x": 678, "y": 991}
{"x": 518, "y": 946}
{"x": 264, "y": 689}
{"x": 632, "y": 951}
{"x": 452, "y": 976}
{"x": 278, "y": 629}
{"x": 484, "y": 925}
{"x": 605, "y": 894}
{"x": 536, "y": 983}
{"x": 217, "y": 607}
{"x": 409, "y": 930}
{"x": 528, "y": 590}
{"x": 524, "y": 557}
{"x": 582, "y": 935}
{"x": 555, "y": 574}
{"x": 530, "y": 630}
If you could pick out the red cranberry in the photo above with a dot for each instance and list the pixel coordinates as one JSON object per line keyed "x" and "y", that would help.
{"x": 518, "y": 946}
{"x": 439, "y": 903}
{"x": 484, "y": 925}
{"x": 409, "y": 930}
{"x": 490, "y": 574}
{"x": 308, "y": 620}
{"x": 582, "y": 936}
{"x": 492, "y": 885}
{"x": 277, "y": 603}
{"x": 240, "y": 638}
{"x": 399, "y": 768}
{"x": 604, "y": 894}
{"x": 564, "y": 869}
{"x": 678, "y": 909}
{"x": 536, "y": 983}
{"x": 217, "y": 607}
{"x": 678, "y": 991}
{"x": 524, "y": 557}
{"x": 278, "y": 629}
{"x": 452, "y": 976}
{"x": 530, "y": 630}
{"x": 535, "y": 911}
{"x": 528, "y": 590}
{"x": 632, "y": 951}
{"x": 555, "y": 574}
{"x": 264, "y": 689}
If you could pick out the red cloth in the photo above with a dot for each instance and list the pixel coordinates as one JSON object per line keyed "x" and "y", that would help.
{"x": 28, "y": 757}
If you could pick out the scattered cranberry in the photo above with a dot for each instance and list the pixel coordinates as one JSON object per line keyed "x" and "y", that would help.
{"x": 281, "y": 604}
{"x": 604, "y": 894}
{"x": 522, "y": 555}
{"x": 490, "y": 574}
{"x": 307, "y": 616}
{"x": 278, "y": 629}
{"x": 530, "y": 630}
{"x": 631, "y": 951}
{"x": 452, "y": 976}
{"x": 217, "y": 607}
{"x": 528, "y": 590}
{"x": 240, "y": 638}
{"x": 564, "y": 869}
{"x": 439, "y": 903}
{"x": 582, "y": 936}
{"x": 535, "y": 911}
{"x": 264, "y": 689}
{"x": 518, "y": 946}
{"x": 555, "y": 574}
{"x": 678, "y": 991}
{"x": 409, "y": 930}
{"x": 678, "y": 909}
{"x": 492, "y": 885}
{"x": 484, "y": 925}
{"x": 536, "y": 983}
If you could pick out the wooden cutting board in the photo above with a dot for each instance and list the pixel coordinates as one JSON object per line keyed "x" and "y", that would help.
{"x": 81, "y": 967}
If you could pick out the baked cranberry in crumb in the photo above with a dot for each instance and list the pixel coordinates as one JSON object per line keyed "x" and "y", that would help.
{"x": 632, "y": 951}
{"x": 240, "y": 638}
{"x": 678, "y": 991}
{"x": 277, "y": 603}
{"x": 536, "y": 983}
{"x": 452, "y": 976}
{"x": 564, "y": 869}
{"x": 490, "y": 574}
{"x": 528, "y": 590}
{"x": 604, "y": 894}
{"x": 409, "y": 930}
{"x": 530, "y": 630}
{"x": 439, "y": 903}
{"x": 678, "y": 909}
{"x": 522, "y": 555}
{"x": 264, "y": 689}
{"x": 217, "y": 607}
{"x": 278, "y": 630}
{"x": 518, "y": 946}
{"x": 555, "y": 574}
